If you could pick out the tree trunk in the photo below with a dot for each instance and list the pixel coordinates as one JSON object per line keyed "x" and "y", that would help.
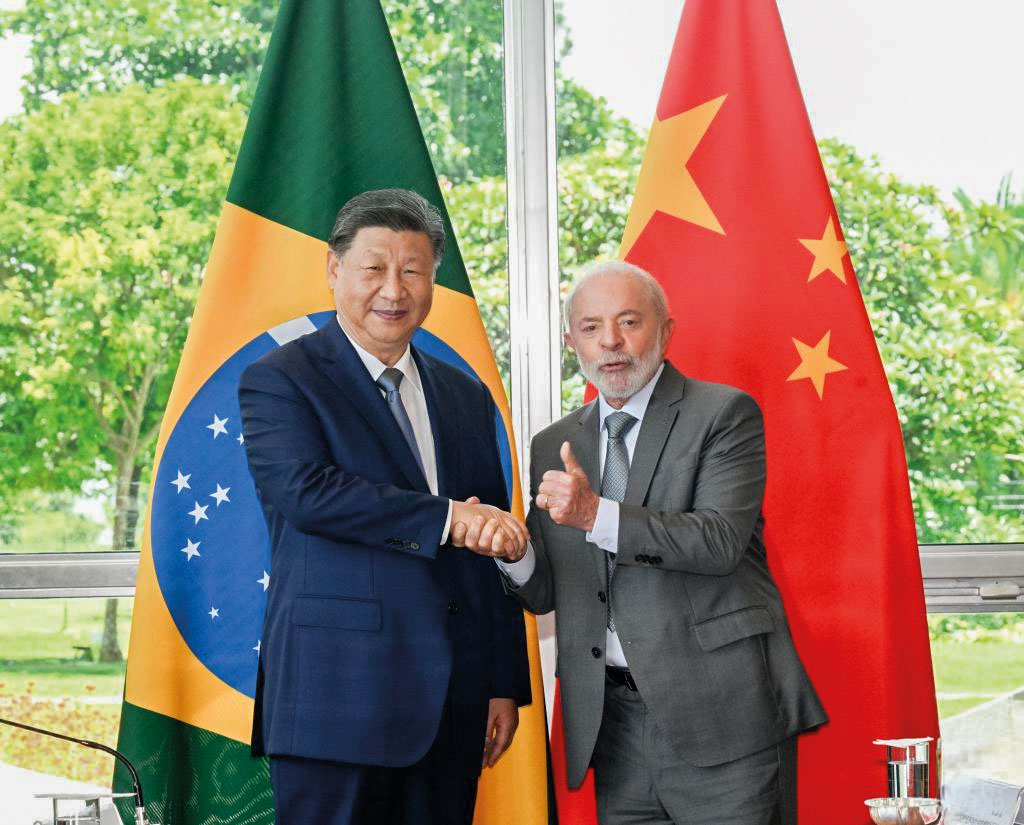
{"x": 130, "y": 442}
{"x": 110, "y": 650}
{"x": 131, "y": 516}
{"x": 126, "y": 517}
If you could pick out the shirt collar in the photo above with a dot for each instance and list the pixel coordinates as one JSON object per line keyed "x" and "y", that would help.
{"x": 637, "y": 403}
{"x": 406, "y": 364}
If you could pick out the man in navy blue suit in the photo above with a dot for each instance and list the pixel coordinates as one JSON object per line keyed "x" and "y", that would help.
{"x": 392, "y": 662}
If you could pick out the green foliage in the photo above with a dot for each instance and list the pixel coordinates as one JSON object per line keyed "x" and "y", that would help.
{"x": 974, "y": 627}
{"x": 111, "y": 203}
{"x": 90, "y": 46}
{"x": 988, "y": 241}
{"x": 948, "y": 344}
{"x": 451, "y": 52}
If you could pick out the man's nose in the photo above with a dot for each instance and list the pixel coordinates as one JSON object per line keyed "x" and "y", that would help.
{"x": 392, "y": 288}
{"x": 611, "y": 337}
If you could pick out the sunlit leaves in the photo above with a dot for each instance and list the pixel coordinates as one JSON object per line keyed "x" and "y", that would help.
{"x": 950, "y": 345}
{"x": 111, "y": 205}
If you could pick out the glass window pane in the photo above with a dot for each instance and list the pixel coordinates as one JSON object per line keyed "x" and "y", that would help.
{"x": 80, "y": 411}
{"x": 452, "y": 56}
{"x": 51, "y": 676}
{"x": 979, "y": 680}
{"x": 932, "y": 224}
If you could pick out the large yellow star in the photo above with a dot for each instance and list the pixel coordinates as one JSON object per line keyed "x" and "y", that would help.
{"x": 815, "y": 363}
{"x": 664, "y": 183}
{"x": 828, "y": 253}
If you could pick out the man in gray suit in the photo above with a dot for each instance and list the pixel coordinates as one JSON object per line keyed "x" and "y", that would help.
{"x": 680, "y": 683}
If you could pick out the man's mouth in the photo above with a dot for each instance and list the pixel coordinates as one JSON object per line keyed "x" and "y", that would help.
{"x": 615, "y": 366}
{"x": 391, "y": 314}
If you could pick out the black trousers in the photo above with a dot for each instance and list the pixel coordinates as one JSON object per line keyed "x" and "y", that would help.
{"x": 439, "y": 789}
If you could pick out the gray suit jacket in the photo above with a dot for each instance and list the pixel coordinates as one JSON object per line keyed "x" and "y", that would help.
{"x": 698, "y": 614}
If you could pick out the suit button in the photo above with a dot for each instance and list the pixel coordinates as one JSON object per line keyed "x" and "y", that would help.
{"x": 641, "y": 558}
{"x": 596, "y": 651}
{"x": 414, "y": 546}
{"x": 453, "y": 608}
{"x": 601, "y": 596}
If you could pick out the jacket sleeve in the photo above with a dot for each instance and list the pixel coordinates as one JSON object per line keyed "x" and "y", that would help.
{"x": 537, "y": 594}
{"x": 711, "y": 538}
{"x": 292, "y": 466}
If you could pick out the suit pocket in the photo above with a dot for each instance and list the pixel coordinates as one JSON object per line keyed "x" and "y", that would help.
{"x": 731, "y": 627}
{"x": 340, "y": 613}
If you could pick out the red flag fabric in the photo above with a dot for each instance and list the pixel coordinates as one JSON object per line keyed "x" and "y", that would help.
{"x": 733, "y": 215}
{"x": 575, "y": 806}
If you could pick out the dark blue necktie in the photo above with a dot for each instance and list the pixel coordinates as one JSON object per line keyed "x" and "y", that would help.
{"x": 389, "y": 381}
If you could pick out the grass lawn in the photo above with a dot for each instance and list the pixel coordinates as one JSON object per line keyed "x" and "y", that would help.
{"x": 982, "y": 667}
{"x": 37, "y": 645}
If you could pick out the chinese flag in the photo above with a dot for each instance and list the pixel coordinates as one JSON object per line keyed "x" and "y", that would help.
{"x": 732, "y": 214}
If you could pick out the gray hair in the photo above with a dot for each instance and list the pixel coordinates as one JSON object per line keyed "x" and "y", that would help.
{"x": 400, "y": 210}
{"x": 654, "y": 290}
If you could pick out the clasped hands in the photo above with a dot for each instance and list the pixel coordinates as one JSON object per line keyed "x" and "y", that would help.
{"x": 487, "y": 530}
{"x": 567, "y": 495}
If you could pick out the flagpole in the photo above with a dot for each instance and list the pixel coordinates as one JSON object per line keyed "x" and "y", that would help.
{"x": 532, "y": 218}
{"x": 529, "y": 39}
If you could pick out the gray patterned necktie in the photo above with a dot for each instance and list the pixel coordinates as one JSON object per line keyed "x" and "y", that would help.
{"x": 389, "y": 381}
{"x": 614, "y": 478}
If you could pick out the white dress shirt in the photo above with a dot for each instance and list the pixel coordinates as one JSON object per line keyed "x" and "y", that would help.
{"x": 605, "y": 533}
{"x": 415, "y": 403}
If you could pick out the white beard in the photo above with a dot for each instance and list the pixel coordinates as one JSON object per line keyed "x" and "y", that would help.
{"x": 628, "y": 382}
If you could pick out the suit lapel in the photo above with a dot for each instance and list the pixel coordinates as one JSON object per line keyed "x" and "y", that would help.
{"x": 585, "y": 441}
{"x": 443, "y": 427}
{"x": 654, "y": 431}
{"x": 344, "y": 367}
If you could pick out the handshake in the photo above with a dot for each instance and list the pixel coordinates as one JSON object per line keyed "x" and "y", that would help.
{"x": 487, "y": 530}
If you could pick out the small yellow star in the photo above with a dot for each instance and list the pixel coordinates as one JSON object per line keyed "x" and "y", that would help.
{"x": 815, "y": 363}
{"x": 664, "y": 183}
{"x": 828, "y": 253}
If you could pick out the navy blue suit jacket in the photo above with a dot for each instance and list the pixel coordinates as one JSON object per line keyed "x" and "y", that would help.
{"x": 369, "y": 618}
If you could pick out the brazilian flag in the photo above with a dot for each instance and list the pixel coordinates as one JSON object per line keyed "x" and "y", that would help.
{"x": 332, "y": 117}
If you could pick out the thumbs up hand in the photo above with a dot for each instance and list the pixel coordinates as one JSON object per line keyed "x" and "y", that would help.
{"x": 567, "y": 494}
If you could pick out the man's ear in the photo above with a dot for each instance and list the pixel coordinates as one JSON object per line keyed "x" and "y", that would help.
{"x": 567, "y": 338}
{"x": 666, "y": 333}
{"x": 332, "y": 268}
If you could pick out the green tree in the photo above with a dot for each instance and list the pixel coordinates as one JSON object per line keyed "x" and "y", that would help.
{"x": 88, "y": 46}
{"x": 988, "y": 240}
{"x": 947, "y": 340}
{"x": 451, "y": 52}
{"x": 111, "y": 203}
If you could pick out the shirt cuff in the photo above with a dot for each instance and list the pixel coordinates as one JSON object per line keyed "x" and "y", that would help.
{"x": 519, "y": 572}
{"x": 447, "y": 523}
{"x": 606, "y": 526}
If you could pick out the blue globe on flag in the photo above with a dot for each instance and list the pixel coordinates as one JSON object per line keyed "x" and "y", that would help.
{"x": 211, "y": 549}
